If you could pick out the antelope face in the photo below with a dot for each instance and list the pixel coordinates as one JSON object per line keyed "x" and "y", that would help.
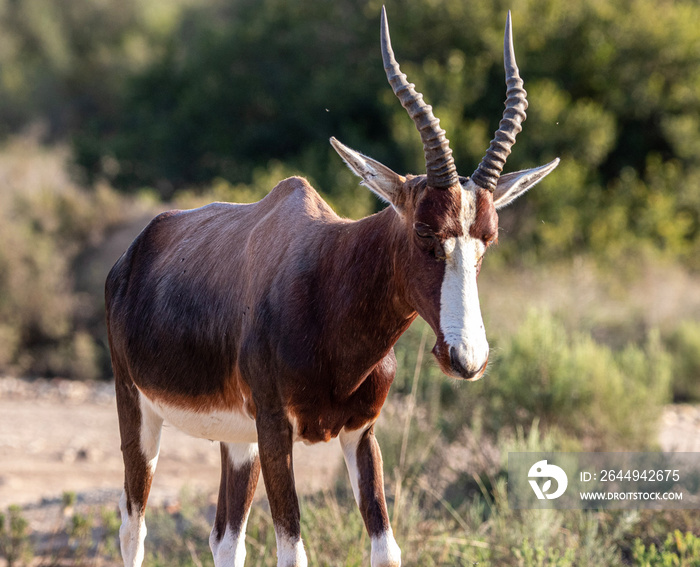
{"x": 450, "y": 220}
{"x": 450, "y": 231}
{"x": 456, "y": 236}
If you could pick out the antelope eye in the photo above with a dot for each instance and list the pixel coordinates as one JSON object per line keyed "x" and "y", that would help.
{"x": 423, "y": 231}
{"x": 429, "y": 241}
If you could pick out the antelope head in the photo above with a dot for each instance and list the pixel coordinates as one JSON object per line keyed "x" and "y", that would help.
{"x": 449, "y": 220}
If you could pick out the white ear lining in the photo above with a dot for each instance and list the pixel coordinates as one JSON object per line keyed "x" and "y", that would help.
{"x": 511, "y": 185}
{"x": 377, "y": 177}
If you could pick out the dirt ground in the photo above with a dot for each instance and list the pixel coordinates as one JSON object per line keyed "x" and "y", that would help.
{"x": 58, "y": 436}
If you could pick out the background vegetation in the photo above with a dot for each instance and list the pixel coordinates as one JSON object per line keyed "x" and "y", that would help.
{"x": 194, "y": 99}
{"x": 113, "y": 110}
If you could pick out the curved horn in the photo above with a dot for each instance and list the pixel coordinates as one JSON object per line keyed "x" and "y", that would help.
{"x": 489, "y": 170}
{"x": 440, "y": 167}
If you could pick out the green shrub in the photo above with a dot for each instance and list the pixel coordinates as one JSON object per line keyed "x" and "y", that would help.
{"x": 538, "y": 556}
{"x": 684, "y": 348}
{"x": 605, "y": 399}
{"x": 47, "y": 323}
{"x": 180, "y": 537}
{"x": 679, "y": 550}
{"x": 15, "y": 546}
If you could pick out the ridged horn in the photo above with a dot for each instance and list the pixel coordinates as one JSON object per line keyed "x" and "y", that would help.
{"x": 439, "y": 165}
{"x": 490, "y": 168}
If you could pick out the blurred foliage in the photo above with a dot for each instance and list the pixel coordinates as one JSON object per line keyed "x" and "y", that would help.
{"x": 585, "y": 394}
{"x": 452, "y": 512}
{"x": 239, "y": 84}
{"x": 66, "y": 63}
{"x": 684, "y": 347}
{"x": 15, "y": 546}
{"x": 48, "y": 325}
{"x": 432, "y": 532}
{"x": 681, "y": 549}
{"x": 613, "y": 91}
{"x": 586, "y": 390}
{"x": 195, "y": 100}
{"x": 176, "y": 95}
{"x": 87, "y": 537}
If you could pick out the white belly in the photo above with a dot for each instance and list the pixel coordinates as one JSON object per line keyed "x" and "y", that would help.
{"x": 216, "y": 425}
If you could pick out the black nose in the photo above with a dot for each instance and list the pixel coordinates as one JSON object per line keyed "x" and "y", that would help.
{"x": 460, "y": 369}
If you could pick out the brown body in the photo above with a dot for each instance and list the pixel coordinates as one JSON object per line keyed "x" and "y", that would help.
{"x": 264, "y": 324}
{"x": 278, "y": 305}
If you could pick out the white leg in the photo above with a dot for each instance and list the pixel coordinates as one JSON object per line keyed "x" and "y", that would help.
{"x": 349, "y": 440}
{"x": 290, "y": 551}
{"x": 132, "y": 534}
{"x": 228, "y": 551}
{"x": 385, "y": 550}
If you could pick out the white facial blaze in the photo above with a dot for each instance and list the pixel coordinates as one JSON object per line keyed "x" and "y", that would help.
{"x": 460, "y": 314}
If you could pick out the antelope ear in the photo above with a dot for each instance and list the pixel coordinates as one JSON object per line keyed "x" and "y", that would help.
{"x": 511, "y": 185}
{"x": 381, "y": 180}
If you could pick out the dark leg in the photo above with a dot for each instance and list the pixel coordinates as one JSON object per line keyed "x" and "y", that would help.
{"x": 240, "y": 470}
{"x": 275, "y": 442}
{"x": 364, "y": 462}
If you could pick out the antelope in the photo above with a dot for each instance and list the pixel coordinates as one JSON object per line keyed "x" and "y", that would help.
{"x": 261, "y": 325}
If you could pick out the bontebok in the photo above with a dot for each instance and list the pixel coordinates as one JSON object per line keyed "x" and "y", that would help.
{"x": 264, "y": 324}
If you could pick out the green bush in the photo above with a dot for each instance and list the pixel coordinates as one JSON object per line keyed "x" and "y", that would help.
{"x": 15, "y": 546}
{"x": 538, "y": 556}
{"x": 603, "y": 399}
{"x": 48, "y": 324}
{"x": 179, "y": 94}
{"x": 180, "y": 537}
{"x": 684, "y": 347}
{"x": 229, "y": 86}
{"x": 679, "y": 550}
